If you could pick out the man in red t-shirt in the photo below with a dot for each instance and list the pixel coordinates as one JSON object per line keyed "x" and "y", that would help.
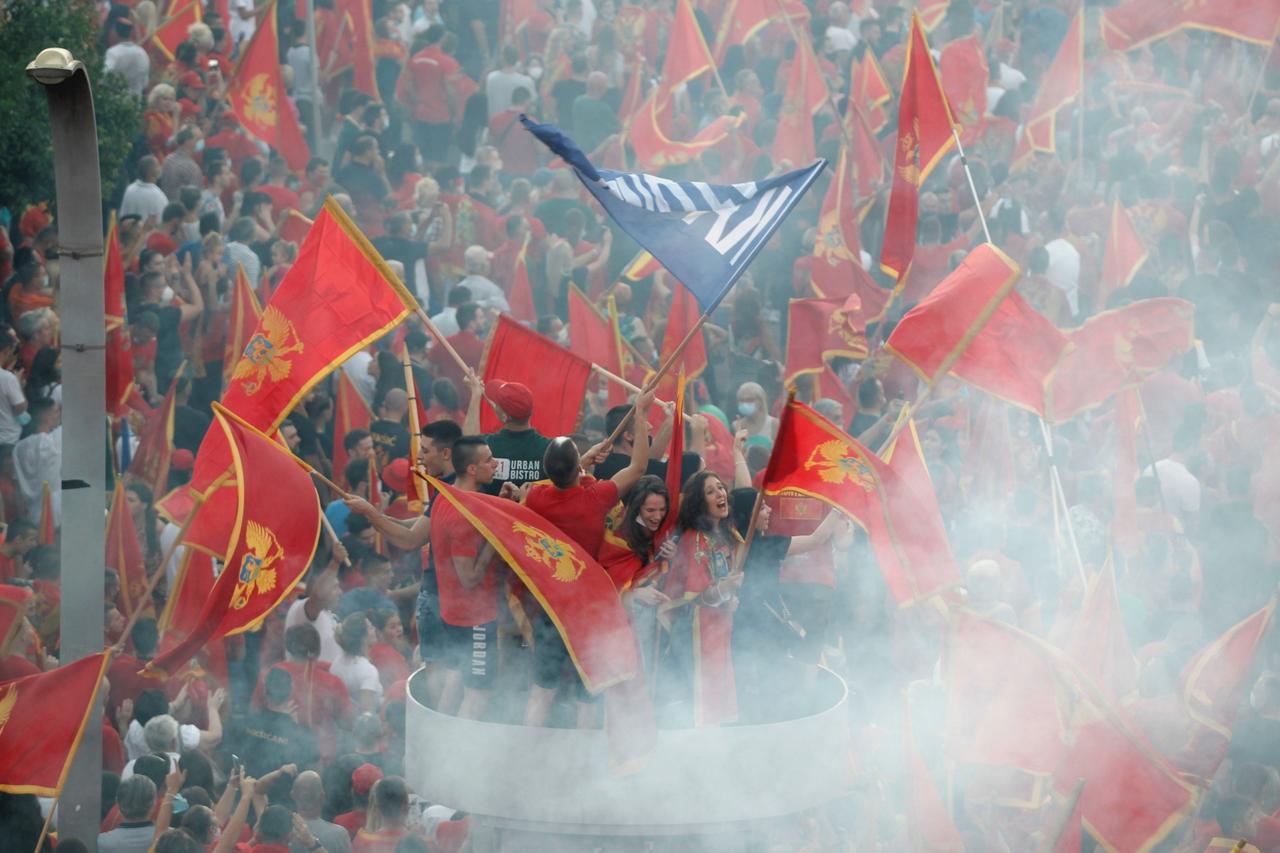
{"x": 578, "y": 505}
{"x": 427, "y": 88}
{"x": 467, "y": 570}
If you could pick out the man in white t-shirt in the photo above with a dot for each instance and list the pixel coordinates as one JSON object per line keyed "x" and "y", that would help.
{"x": 12, "y": 400}
{"x": 244, "y": 20}
{"x": 317, "y": 609}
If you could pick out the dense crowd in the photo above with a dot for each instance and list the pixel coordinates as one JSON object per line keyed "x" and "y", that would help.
{"x": 292, "y": 736}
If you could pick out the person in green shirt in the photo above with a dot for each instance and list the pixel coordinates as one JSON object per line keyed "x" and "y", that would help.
{"x": 594, "y": 120}
{"x": 517, "y": 448}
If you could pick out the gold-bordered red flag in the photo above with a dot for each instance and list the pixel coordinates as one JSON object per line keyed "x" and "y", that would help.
{"x": 924, "y": 138}
{"x": 964, "y": 73}
{"x": 119, "y": 355}
{"x": 42, "y": 718}
{"x": 682, "y": 317}
{"x": 124, "y": 554}
{"x": 350, "y": 412}
{"x": 1213, "y": 682}
{"x": 742, "y": 19}
{"x": 591, "y": 335}
{"x": 1138, "y": 22}
{"x": 173, "y": 31}
{"x": 932, "y": 12}
{"x": 1098, "y": 642}
{"x": 1124, "y": 256}
{"x": 869, "y": 90}
{"x": 818, "y": 329}
{"x": 358, "y": 17}
{"x": 520, "y": 299}
{"x": 556, "y": 376}
{"x": 191, "y": 587}
{"x": 154, "y": 455}
{"x": 674, "y": 456}
{"x": 1060, "y": 86}
{"x": 272, "y": 539}
{"x": 1009, "y": 351}
{"x": 805, "y": 95}
{"x": 245, "y": 316}
{"x": 257, "y": 96}
{"x": 48, "y": 531}
{"x": 1117, "y": 349}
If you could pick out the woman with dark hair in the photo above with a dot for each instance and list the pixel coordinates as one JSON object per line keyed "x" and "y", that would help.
{"x": 390, "y": 374}
{"x": 145, "y": 521}
{"x": 445, "y": 404}
{"x": 703, "y": 592}
{"x": 473, "y": 129}
{"x": 45, "y": 379}
{"x": 355, "y": 635}
{"x": 635, "y": 560}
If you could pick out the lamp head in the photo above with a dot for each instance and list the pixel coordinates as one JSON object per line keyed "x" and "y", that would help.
{"x": 53, "y": 65}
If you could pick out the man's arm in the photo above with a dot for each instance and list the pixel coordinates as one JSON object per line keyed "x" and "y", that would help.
{"x": 627, "y": 477}
{"x": 471, "y": 569}
{"x": 471, "y": 423}
{"x": 403, "y": 536}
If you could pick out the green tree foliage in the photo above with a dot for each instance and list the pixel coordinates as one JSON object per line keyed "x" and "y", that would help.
{"x": 26, "y": 154}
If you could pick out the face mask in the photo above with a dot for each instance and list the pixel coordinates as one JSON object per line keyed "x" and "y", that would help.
{"x": 199, "y": 144}
{"x": 746, "y": 409}
{"x": 535, "y": 71}
{"x": 167, "y": 295}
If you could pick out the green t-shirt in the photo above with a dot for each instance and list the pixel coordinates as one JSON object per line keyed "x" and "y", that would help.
{"x": 519, "y": 457}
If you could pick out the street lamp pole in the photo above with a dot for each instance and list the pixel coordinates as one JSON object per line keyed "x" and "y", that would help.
{"x": 84, "y": 437}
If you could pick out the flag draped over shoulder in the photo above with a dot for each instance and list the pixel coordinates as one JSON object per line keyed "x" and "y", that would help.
{"x": 704, "y": 234}
{"x": 1137, "y": 22}
{"x": 42, "y": 718}
{"x": 924, "y": 137}
{"x": 557, "y": 377}
{"x": 1061, "y": 84}
{"x": 257, "y": 96}
{"x": 119, "y": 356}
{"x": 124, "y": 554}
{"x": 892, "y": 501}
{"x": 275, "y": 530}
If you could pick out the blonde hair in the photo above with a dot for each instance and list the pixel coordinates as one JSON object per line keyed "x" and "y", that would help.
{"x": 158, "y": 91}
{"x": 145, "y": 14}
{"x": 425, "y": 185}
{"x": 200, "y": 35}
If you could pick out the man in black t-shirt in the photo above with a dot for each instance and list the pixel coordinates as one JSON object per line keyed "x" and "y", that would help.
{"x": 620, "y": 456}
{"x": 271, "y": 738}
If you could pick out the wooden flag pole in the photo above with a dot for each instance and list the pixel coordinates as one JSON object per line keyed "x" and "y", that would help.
{"x": 442, "y": 340}
{"x": 663, "y": 370}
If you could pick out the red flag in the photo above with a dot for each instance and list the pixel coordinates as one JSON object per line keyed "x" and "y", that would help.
{"x": 674, "y": 472}
{"x": 151, "y": 461}
{"x": 642, "y": 266}
{"x": 294, "y": 226}
{"x": 1137, "y": 22}
{"x": 1098, "y": 642}
{"x": 932, "y": 12}
{"x": 1117, "y": 349}
{"x": 1009, "y": 353}
{"x": 964, "y": 73}
{"x": 350, "y": 412}
{"x": 682, "y": 317}
{"x": 818, "y": 329}
{"x": 520, "y": 299}
{"x": 13, "y": 609}
{"x": 173, "y": 31}
{"x": 590, "y": 334}
{"x": 257, "y": 96}
{"x": 1124, "y": 255}
{"x": 124, "y": 555}
{"x": 191, "y": 588}
{"x": 868, "y": 162}
{"x": 119, "y": 355}
{"x": 828, "y": 385}
{"x": 358, "y": 31}
{"x": 742, "y": 19}
{"x": 1214, "y": 681}
{"x": 1061, "y": 84}
{"x": 924, "y": 137}
{"x": 869, "y": 91}
{"x": 246, "y": 313}
{"x": 836, "y": 269}
{"x": 48, "y": 534}
{"x": 336, "y": 299}
{"x": 276, "y": 527}
{"x": 42, "y": 718}
{"x": 806, "y": 93}
{"x": 813, "y": 457}
{"x": 556, "y": 376}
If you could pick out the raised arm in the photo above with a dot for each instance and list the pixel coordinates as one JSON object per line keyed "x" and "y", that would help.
{"x": 627, "y": 477}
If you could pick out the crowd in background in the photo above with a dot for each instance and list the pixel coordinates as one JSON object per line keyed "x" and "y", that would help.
{"x": 293, "y": 735}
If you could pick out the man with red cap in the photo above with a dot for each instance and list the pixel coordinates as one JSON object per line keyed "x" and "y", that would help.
{"x": 518, "y": 448}
{"x": 362, "y": 780}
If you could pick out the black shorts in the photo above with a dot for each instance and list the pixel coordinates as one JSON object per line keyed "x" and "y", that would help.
{"x": 552, "y": 665}
{"x": 432, "y": 643}
{"x": 473, "y": 651}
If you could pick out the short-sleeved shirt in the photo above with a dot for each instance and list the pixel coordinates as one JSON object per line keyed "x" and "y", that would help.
{"x": 453, "y": 536}
{"x": 10, "y": 398}
{"x": 519, "y": 457}
{"x": 579, "y": 511}
{"x": 358, "y": 673}
{"x": 269, "y": 739}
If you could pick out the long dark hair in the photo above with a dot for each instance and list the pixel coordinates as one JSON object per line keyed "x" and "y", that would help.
{"x": 44, "y": 374}
{"x": 693, "y": 507}
{"x": 636, "y": 535}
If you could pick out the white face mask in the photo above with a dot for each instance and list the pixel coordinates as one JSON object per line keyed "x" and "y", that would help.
{"x": 167, "y": 294}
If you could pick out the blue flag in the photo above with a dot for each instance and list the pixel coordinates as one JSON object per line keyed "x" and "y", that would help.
{"x": 704, "y": 234}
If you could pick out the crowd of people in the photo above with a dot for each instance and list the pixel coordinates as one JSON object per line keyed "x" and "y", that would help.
{"x": 292, "y": 736}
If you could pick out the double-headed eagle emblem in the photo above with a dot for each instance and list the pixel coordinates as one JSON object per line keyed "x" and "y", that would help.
{"x": 555, "y": 554}
{"x": 264, "y": 358}
{"x": 836, "y": 462}
{"x": 256, "y": 572}
{"x": 261, "y": 106}
{"x": 7, "y": 701}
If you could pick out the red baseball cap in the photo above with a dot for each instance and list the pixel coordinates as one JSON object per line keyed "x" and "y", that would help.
{"x": 191, "y": 80}
{"x": 513, "y": 398}
{"x": 363, "y": 777}
{"x": 396, "y": 475}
